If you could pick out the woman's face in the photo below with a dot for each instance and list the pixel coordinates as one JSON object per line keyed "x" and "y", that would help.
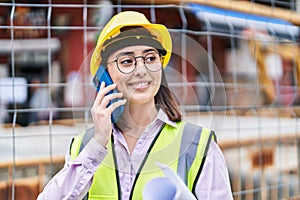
{"x": 141, "y": 85}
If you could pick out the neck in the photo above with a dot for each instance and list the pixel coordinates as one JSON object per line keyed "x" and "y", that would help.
{"x": 137, "y": 117}
{"x": 140, "y": 115}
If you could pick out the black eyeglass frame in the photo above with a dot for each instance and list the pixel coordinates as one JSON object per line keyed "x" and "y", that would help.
{"x": 135, "y": 64}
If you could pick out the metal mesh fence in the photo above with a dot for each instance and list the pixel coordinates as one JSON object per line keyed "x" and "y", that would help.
{"x": 234, "y": 68}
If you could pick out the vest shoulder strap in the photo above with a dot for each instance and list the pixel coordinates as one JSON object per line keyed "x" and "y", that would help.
{"x": 189, "y": 147}
{"x": 84, "y": 139}
{"x": 87, "y": 137}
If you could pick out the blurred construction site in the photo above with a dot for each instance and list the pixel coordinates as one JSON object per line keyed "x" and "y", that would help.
{"x": 235, "y": 68}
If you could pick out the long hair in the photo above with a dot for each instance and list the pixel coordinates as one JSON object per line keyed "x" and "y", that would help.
{"x": 167, "y": 101}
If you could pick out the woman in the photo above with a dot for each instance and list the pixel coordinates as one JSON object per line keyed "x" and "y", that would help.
{"x": 116, "y": 160}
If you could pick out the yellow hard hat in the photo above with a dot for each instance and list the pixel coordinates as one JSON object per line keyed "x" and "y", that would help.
{"x": 127, "y": 19}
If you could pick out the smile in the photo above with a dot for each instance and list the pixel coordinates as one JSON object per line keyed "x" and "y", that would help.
{"x": 140, "y": 85}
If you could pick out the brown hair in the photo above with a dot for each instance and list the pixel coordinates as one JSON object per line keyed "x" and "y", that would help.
{"x": 167, "y": 101}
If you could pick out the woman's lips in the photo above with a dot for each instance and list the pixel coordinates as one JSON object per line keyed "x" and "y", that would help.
{"x": 140, "y": 85}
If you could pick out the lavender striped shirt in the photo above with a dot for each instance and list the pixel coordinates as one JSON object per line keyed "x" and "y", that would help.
{"x": 74, "y": 180}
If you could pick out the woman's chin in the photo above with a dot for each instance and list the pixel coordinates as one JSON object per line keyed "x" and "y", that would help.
{"x": 140, "y": 99}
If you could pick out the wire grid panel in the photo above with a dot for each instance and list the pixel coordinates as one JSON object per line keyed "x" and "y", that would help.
{"x": 232, "y": 79}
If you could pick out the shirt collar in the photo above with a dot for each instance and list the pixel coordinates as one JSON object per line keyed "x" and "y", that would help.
{"x": 161, "y": 116}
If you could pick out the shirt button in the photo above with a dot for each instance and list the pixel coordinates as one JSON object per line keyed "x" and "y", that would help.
{"x": 89, "y": 172}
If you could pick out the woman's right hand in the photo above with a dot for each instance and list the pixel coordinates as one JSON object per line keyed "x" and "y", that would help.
{"x": 102, "y": 114}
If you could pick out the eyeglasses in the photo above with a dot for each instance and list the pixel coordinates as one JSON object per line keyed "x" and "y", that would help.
{"x": 127, "y": 63}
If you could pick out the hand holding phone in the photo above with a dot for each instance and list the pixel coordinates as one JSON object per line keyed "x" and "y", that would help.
{"x": 102, "y": 75}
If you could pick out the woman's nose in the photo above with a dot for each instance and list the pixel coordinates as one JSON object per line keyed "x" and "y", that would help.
{"x": 140, "y": 66}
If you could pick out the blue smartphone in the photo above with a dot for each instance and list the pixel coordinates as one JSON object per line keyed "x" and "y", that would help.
{"x": 103, "y": 75}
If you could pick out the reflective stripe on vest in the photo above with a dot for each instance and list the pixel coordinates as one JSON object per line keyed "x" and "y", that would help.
{"x": 175, "y": 147}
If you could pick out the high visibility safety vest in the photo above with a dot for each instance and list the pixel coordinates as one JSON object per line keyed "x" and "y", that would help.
{"x": 183, "y": 149}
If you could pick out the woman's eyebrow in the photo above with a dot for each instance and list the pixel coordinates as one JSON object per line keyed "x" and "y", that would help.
{"x": 148, "y": 50}
{"x": 125, "y": 53}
